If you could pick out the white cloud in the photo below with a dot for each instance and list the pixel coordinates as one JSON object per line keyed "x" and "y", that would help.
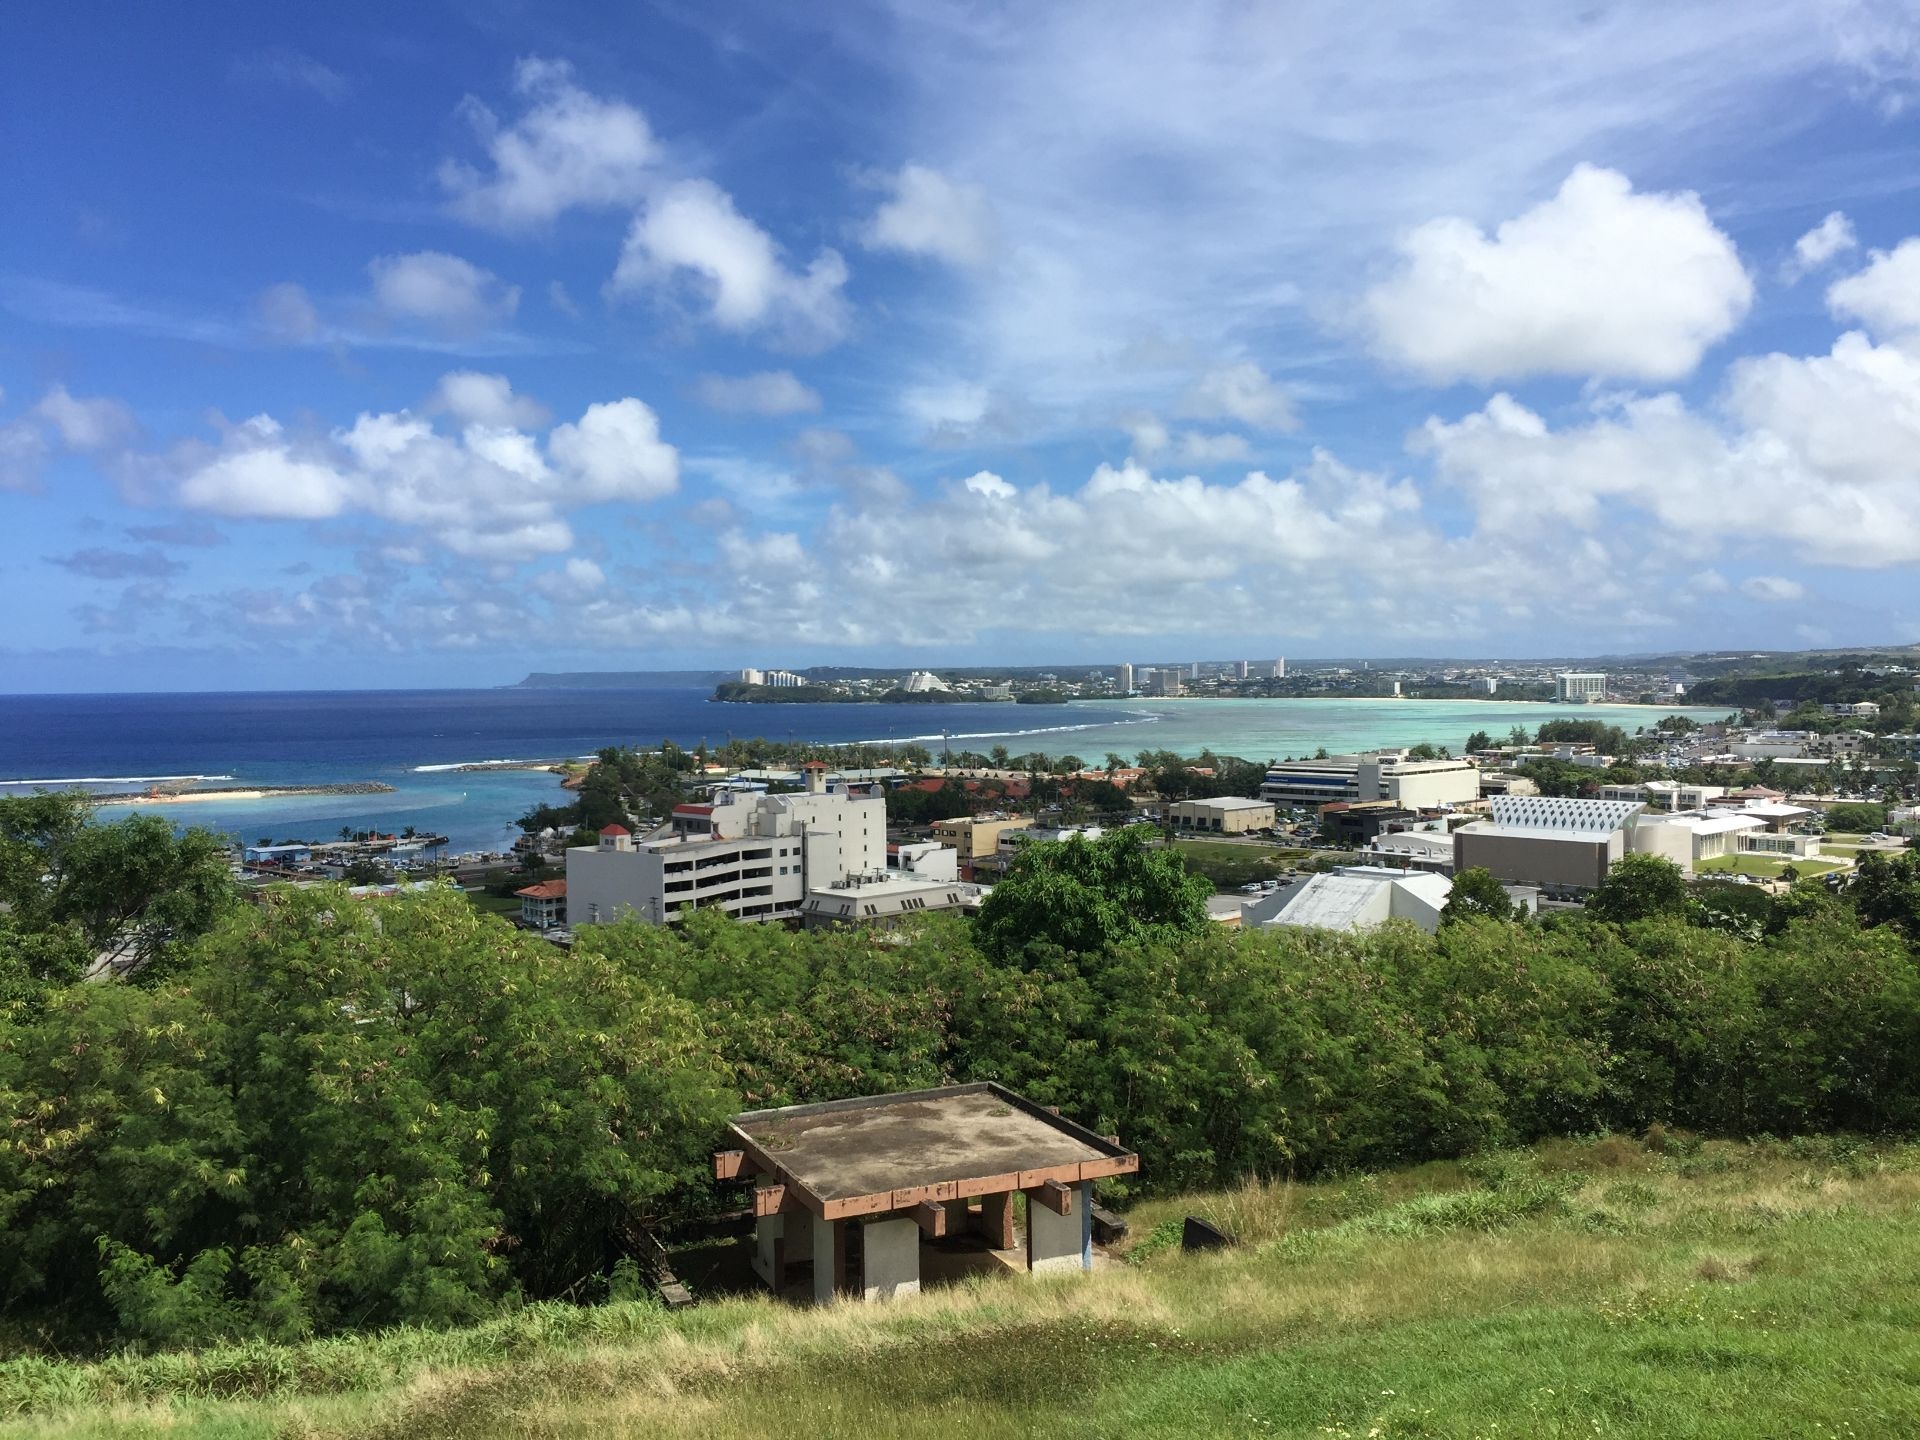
{"x": 1597, "y": 281}
{"x": 441, "y": 290}
{"x": 986, "y": 483}
{"x": 768, "y": 392}
{"x": 1812, "y": 457}
{"x": 577, "y": 580}
{"x": 1831, "y": 237}
{"x": 1153, "y": 441}
{"x": 257, "y": 475}
{"x": 477, "y": 399}
{"x": 928, "y": 213}
{"x": 1242, "y": 392}
{"x": 1772, "y": 589}
{"x": 568, "y": 149}
{"x": 692, "y": 231}
{"x": 288, "y": 314}
{"x": 491, "y": 492}
{"x": 617, "y": 453}
{"x": 23, "y": 450}
{"x": 91, "y": 423}
{"x": 1886, "y": 295}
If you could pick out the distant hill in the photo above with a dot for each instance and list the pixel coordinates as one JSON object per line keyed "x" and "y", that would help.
{"x": 622, "y": 679}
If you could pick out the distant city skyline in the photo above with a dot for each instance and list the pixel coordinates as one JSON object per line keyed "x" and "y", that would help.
{"x": 354, "y": 346}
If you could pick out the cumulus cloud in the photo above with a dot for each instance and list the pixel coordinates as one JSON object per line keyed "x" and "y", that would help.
{"x": 1153, "y": 441}
{"x": 1812, "y": 456}
{"x": 928, "y": 213}
{"x": 616, "y": 453}
{"x": 568, "y": 149}
{"x": 692, "y": 234}
{"x": 492, "y": 491}
{"x": 440, "y": 290}
{"x": 1886, "y": 295}
{"x": 476, "y": 399}
{"x": 1772, "y": 589}
{"x": 1242, "y": 392}
{"x": 1832, "y": 237}
{"x": 768, "y": 392}
{"x": 574, "y": 581}
{"x": 1597, "y": 281}
{"x": 93, "y": 423}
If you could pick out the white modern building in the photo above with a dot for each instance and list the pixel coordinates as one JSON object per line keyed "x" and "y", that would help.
{"x": 1123, "y": 679}
{"x": 750, "y": 854}
{"x": 919, "y": 878}
{"x": 1413, "y": 850}
{"x": 1280, "y": 668}
{"x": 1485, "y": 685}
{"x": 1376, "y": 775}
{"x": 924, "y": 682}
{"x": 1549, "y": 841}
{"x": 1580, "y": 686}
{"x": 1356, "y": 897}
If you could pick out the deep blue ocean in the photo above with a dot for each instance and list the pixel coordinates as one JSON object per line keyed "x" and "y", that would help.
{"x": 290, "y": 738}
{"x": 412, "y": 739}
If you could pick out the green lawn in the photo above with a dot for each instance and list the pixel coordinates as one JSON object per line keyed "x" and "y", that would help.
{"x": 1229, "y": 864}
{"x": 1581, "y": 1289}
{"x": 508, "y": 905}
{"x": 1766, "y": 866}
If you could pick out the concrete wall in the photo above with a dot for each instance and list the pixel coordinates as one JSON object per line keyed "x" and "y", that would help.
{"x": 892, "y": 1263}
{"x": 1220, "y": 819}
{"x": 1581, "y": 860}
{"x": 1060, "y": 1242}
{"x": 767, "y": 1249}
{"x": 1422, "y": 788}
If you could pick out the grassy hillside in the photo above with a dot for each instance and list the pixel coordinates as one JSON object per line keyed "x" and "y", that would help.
{"x": 1609, "y": 1287}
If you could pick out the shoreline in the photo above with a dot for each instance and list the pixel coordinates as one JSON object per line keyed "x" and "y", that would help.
{"x": 248, "y": 792}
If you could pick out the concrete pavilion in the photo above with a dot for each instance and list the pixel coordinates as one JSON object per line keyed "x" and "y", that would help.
{"x": 854, "y": 1188}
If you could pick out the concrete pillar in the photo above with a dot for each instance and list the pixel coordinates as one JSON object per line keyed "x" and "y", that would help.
{"x": 995, "y": 1219}
{"x": 1060, "y": 1242}
{"x": 892, "y": 1259}
{"x": 769, "y": 1257}
{"x": 826, "y": 1259}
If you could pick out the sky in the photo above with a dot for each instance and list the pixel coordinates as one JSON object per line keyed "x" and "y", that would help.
{"x": 385, "y": 346}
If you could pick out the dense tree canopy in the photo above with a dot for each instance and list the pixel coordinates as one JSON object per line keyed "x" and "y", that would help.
{"x": 324, "y": 1113}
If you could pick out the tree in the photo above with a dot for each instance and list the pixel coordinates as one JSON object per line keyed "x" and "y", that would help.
{"x": 1083, "y": 896}
{"x": 131, "y": 890}
{"x": 1858, "y": 817}
{"x": 1476, "y": 893}
{"x": 1640, "y": 887}
{"x": 1479, "y": 740}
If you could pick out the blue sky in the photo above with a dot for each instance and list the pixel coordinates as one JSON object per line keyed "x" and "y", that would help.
{"x": 371, "y": 346}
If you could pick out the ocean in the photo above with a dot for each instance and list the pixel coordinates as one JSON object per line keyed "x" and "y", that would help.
{"x": 412, "y": 739}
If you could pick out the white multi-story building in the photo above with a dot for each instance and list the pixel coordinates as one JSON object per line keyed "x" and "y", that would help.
{"x": 1123, "y": 679}
{"x": 923, "y": 682}
{"x": 1280, "y": 669}
{"x": 751, "y": 676}
{"x": 781, "y": 679}
{"x": 748, "y": 853}
{"x": 1487, "y": 684}
{"x": 1580, "y": 686}
{"x": 1376, "y": 775}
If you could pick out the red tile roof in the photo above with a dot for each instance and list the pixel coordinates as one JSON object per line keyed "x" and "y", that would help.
{"x": 607, "y": 830}
{"x": 545, "y": 890}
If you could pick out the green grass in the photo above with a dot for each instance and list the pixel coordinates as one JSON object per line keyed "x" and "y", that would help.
{"x": 1228, "y": 864}
{"x": 508, "y": 905}
{"x": 1766, "y": 866}
{"x": 1577, "y": 1289}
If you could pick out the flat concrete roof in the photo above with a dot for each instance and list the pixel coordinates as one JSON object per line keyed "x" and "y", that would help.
{"x": 851, "y": 1155}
